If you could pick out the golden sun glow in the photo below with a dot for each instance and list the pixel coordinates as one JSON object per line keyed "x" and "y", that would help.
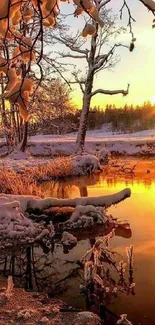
{"x": 152, "y": 100}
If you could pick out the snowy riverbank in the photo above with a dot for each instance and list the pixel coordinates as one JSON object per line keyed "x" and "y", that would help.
{"x": 139, "y": 143}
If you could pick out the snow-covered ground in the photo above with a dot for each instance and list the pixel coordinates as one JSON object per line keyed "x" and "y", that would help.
{"x": 139, "y": 143}
{"x": 128, "y": 144}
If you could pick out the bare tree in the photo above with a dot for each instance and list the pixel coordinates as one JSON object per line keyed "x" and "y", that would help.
{"x": 97, "y": 56}
{"x": 35, "y": 16}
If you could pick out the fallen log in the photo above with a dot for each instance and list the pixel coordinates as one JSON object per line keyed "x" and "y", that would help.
{"x": 104, "y": 201}
{"x": 28, "y": 202}
{"x": 88, "y": 211}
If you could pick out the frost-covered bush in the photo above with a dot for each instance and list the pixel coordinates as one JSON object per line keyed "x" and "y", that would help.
{"x": 85, "y": 164}
{"x": 103, "y": 156}
{"x": 123, "y": 320}
{"x": 101, "y": 272}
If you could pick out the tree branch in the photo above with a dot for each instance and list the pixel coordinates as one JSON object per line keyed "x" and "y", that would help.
{"x": 70, "y": 46}
{"x": 73, "y": 56}
{"x": 79, "y": 82}
{"x": 131, "y": 19}
{"x": 103, "y": 4}
{"x": 101, "y": 59}
{"x": 150, "y": 4}
{"x": 111, "y": 92}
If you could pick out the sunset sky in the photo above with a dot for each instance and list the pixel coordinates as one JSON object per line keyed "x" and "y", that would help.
{"x": 136, "y": 68}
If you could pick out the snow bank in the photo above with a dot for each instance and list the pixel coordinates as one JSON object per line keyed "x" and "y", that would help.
{"x": 18, "y": 155}
{"x": 99, "y": 144}
{"x": 14, "y": 225}
{"x": 137, "y": 143}
{"x": 80, "y": 165}
{"x": 142, "y": 142}
{"x": 85, "y": 165}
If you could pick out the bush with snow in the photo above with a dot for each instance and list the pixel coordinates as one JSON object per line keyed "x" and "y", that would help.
{"x": 103, "y": 156}
{"x": 85, "y": 164}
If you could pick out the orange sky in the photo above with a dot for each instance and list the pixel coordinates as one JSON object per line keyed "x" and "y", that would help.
{"x": 136, "y": 68}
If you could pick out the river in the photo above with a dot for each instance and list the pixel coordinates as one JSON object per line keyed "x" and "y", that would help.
{"x": 138, "y": 211}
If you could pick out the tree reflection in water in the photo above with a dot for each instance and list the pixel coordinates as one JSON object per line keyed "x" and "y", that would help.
{"x": 50, "y": 270}
{"x": 53, "y": 270}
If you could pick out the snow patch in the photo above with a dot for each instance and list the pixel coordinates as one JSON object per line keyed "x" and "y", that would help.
{"x": 18, "y": 155}
{"x": 85, "y": 164}
{"x": 142, "y": 142}
{"x": 14, "y": 225}
{"x": 68, "y": 239}
{"x": 103, "y": 156}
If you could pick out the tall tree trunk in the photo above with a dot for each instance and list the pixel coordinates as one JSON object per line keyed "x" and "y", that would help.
{"x": 80, "y": 141}
{"x": 23, "y": 144}
{"x": 83, "y": 191}
{"x": 3, "y": 115}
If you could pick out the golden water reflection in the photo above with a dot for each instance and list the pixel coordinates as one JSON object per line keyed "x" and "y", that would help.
{"x": 139, "y": 211}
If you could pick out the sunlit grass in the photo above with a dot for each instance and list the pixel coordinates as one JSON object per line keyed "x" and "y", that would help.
{"x": 12, "y": 182}
{"x": 27, "y": 183}
{"x": 57, "y": 168}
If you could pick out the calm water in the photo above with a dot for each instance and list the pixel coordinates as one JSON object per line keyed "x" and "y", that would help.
{"x": 139, "y": 210}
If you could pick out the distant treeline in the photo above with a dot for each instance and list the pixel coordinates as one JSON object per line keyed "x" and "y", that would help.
{"x": 123, "y": 119}
{"x": 127, "y": 118}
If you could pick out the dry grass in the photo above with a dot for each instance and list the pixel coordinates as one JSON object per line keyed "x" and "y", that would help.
{"x": 59, "y": 167}
{"x": 12, "y": 182}
{"x": 27, "y": 183}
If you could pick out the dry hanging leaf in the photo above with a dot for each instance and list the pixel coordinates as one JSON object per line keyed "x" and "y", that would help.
{"x": 89, "y": 29}
{"x": 4, "y": 8}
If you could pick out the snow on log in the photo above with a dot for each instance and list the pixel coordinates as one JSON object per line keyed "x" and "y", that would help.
{"x": 81, "y": 210}
{"x": 86, "y": 213}
{"x": 68, "y": 239}
{"x": 104, "y": 201}
{"x": 28, "y": 202}
{"x": 15, "y": 226}
{"x": 22, "y": 200}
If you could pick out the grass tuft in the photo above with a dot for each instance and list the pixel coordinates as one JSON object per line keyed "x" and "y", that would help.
{"x": 57, "y": 168}
{"x": 12, "y": 182}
